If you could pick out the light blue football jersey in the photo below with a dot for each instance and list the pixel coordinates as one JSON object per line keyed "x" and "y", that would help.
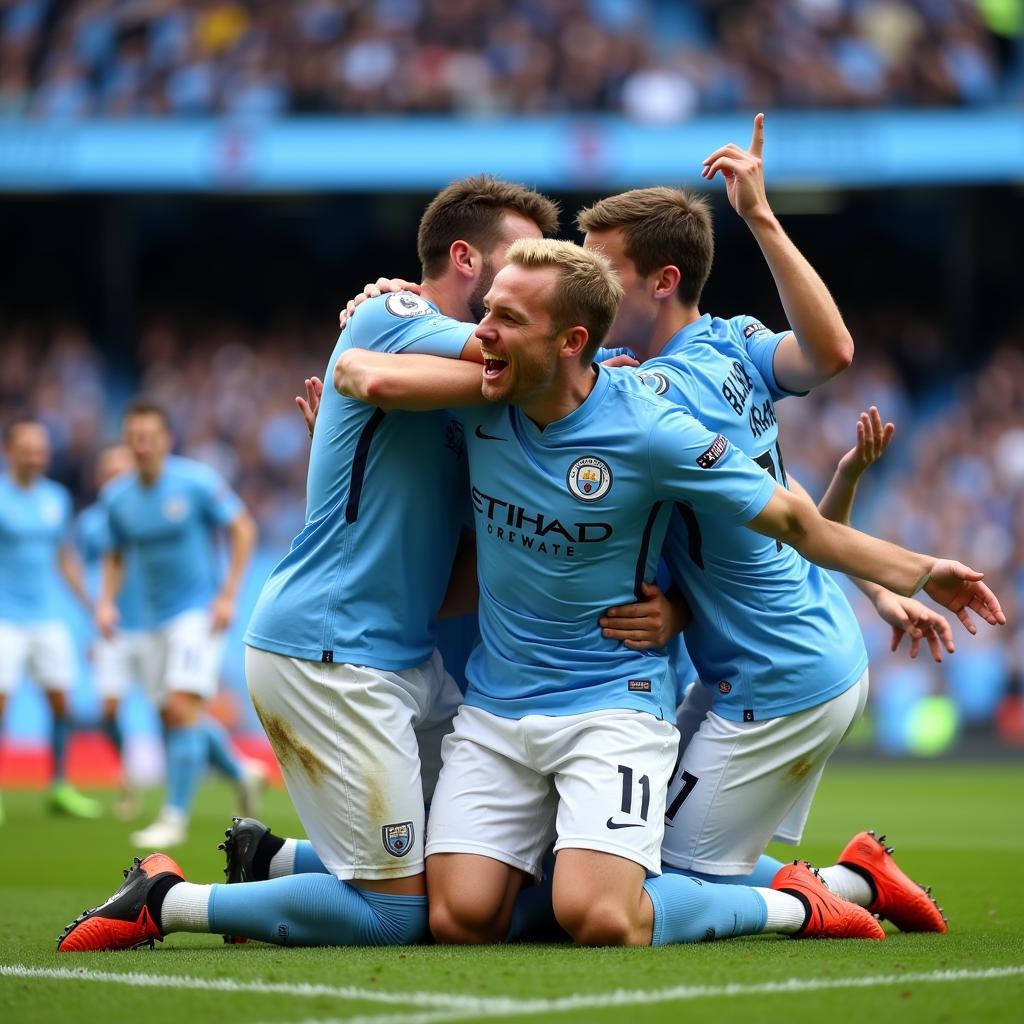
{"x": 569, "y": 521}
{"x": 92, "y": 537}
{"x": 385, "y": 500}
{"x": 35, "y": 521}
{"x": 771, "y": 633}
{"x": 169, "y": 529}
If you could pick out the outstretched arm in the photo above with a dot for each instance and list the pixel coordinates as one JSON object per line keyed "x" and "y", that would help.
{"x": 794, "y": 520}
{"x": 416, "y": 383}
{"x": 820, "y": 345}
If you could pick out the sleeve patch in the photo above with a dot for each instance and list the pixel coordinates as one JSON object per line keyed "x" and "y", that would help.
{"x": 753, "y": 328}
{"x": 406, "y": 305}
{"x": 657, "y": 382}
{"x": 718, "y": 448}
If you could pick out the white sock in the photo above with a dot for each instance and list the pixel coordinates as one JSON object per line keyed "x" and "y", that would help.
{"x": 786, "y": 914}
{"x": 283, "y": 862}
{"x": 848, "y": 884}
{"x": 186, "y": 908}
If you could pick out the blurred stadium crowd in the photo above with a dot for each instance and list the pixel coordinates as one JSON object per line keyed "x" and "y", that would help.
{"x": 658, "y": 60}
{"x": 953, "y": 479}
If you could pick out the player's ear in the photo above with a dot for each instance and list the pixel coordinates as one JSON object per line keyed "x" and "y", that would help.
{"x": 575, "y": 342}
{"x": 666, "y": 281}
{"x": 464, "y": 258}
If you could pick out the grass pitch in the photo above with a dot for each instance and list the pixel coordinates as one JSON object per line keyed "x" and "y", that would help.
{"x": 959, "y": 827}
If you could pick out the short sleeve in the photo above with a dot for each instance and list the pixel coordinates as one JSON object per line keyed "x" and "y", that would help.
{"x": 705, "y": 470}
{"x": 218, "y": 501}
{"x": 405, "y": 322}
{"x": 760, "y": 344}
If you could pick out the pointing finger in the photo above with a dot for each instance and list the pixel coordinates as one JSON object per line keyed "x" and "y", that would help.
{"x": 757, "y": 139}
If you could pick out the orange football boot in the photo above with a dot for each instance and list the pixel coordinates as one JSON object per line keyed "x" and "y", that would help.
{"x": 895, "y": 897}
{"x": 124, "y": 921}
{"x": 827, "y": 916}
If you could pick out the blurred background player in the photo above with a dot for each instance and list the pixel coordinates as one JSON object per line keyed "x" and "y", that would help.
{"x": 122, "y": 659}
{"x": 35, "y": 553}
{"x": 165, "y": 515}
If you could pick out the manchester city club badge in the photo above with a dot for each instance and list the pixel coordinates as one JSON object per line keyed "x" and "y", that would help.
{"x": 589, "y": 478}
{"x": 397, "y": 838}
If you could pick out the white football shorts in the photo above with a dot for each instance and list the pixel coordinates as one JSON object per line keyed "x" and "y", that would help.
{"x": 348, "y": 740}
{"x": 739, "y": 785}
{"x": 121, "y": 661}
{"x": 594, "y": 781}
{"x": 183, "y": 655}
{"x": 43, "y": 650}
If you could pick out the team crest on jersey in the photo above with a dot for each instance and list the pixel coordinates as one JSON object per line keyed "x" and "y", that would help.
{"x": 175, "y": 509}
{"x": 753, "y": 328}
{"x": 405, "y": 304}
{"x": 658, "y": 382}
{"x": 725, "y": 687}
{"x": 397, "y": 838}
{"x": 589, "y": 478}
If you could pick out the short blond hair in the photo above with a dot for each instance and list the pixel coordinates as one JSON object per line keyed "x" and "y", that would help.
{"x": 587, "y": 292}
{"x": 661, "y": 226}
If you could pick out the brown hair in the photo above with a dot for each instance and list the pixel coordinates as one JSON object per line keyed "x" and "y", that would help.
{"x": 472, "y": 209}
{"x": 587, "y": 293}
{"x": 660, "y": 226}
{"x": 147, "y": 407}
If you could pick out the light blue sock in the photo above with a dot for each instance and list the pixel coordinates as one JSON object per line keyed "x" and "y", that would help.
{"x": 533, "y": 916}
{"x": 60, "y": 734}
{"x": 317, "y": 910}
{"x": 306, "y": 860}
{"x": 186, "y": 759}
{"x": 764, "y": 871}
{"x": 220, "y": 752}
{"x": 689, "y": 910}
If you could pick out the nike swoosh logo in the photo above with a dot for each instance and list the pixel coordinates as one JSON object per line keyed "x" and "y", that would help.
{"x": 622, "y": 824}
{"x": 486, "y": 437}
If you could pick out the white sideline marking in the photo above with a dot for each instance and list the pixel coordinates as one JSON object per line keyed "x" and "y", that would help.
{"x": 452, "y": 1006}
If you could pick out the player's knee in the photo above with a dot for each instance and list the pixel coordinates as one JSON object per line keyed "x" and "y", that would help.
{"x": 181, "y": 710}
{"x": 461, "y": 923}
{"x": 596, "y": 922}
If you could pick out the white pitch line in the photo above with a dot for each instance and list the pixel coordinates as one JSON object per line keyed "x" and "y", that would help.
{"x": 452, "y": 1006}
{"x": 506, "y": 1007}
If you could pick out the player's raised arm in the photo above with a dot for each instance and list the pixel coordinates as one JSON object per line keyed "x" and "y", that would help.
{"x": 416, "y": 383}
{"x": 820, "y": 346}
{"x": 794, "y": 520}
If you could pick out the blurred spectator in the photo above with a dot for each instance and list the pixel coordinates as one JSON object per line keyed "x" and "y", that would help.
{"x": 653, "y": 60}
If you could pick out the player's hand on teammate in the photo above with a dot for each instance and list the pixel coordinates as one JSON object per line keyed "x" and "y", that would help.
{"x": 911, "y": 618}
{"x": 960, "y": 589}
{"x": 310, "y": 405}
{"x": 743, "y": 172}
{"x": 222, "y": 613}
{"x": 622, "y": 360}
{"x": 107, "y": 619}
{"x": 648, "y": 623}
{"x": 372, "y": 291}
{"x": 873, "y": 438}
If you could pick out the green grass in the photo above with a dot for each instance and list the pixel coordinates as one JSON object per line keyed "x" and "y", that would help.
{"x": 959, "y": 827}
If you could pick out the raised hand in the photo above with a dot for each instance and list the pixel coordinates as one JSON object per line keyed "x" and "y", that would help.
{"x": 958, "y": 587}
{"x": 743, "y": 172}
{"x": 872, "y": 439}
{"x": 310, "y": 405}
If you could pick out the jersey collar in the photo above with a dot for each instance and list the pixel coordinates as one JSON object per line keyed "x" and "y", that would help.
{"x": 590, "y": 406}
{"x": 689, "y": 333}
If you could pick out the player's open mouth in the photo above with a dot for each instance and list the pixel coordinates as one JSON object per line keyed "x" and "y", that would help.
{"x": 493, "y": 366}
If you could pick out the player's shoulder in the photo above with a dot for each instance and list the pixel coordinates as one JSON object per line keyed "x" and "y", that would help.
{"x": 116, "y": 489}
{"x": 395, "y": 314}
{"x": 180, "y": 467}
{"x": 53, "y": 490}
{"x": 743, "y": 328}
{"x": 635, "y": 388}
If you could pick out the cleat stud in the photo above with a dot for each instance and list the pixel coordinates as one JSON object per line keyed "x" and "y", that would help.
{"x": 881, "y": 838}
{"x": 889, "y": 850}
{"x": 871, "y": 831}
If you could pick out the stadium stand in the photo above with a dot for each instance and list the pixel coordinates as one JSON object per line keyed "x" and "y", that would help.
{"x": 654, "y": 60}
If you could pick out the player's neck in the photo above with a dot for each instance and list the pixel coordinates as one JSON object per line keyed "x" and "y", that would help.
{"x": 447, "y": 296}
{"x": 148, "y": 475}
{"x": 23, "y": 480}
{"x": 672, "y": 318}
{"x": 568, "y": 394}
